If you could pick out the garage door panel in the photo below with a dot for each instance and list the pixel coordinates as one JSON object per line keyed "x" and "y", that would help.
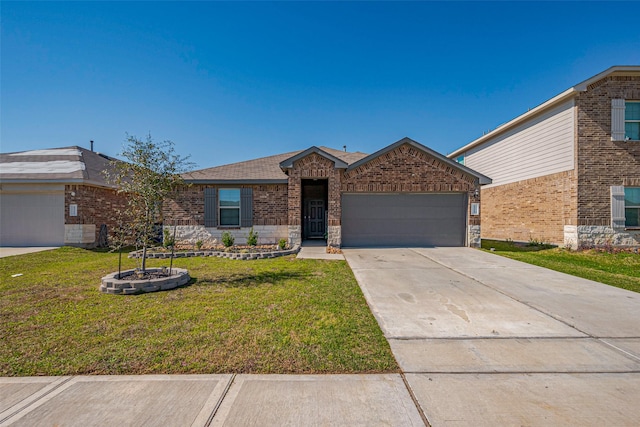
{"x": 32, "y": 219}
{"x": 404, "y": 219}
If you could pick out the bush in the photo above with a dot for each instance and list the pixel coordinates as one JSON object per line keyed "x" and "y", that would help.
{"x": 199, "y": 244}
{"x": 227, "y": 239}
{"x": 282, "y": 244}
{"x": 252, "y": 238}
{"x": 168, "y": 239}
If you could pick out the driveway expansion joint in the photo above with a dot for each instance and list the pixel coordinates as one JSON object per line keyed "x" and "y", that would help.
{"x": 425, "y": 420}
{"x": 462, "y": 273}
{"x": 35, "y": 397}
{"x": 219, "y": 402}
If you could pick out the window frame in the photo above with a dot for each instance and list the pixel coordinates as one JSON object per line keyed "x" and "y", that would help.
{"x": 626, "y": 207}
{"x": 626, "y": 137}
{"x": 220, "y": 208}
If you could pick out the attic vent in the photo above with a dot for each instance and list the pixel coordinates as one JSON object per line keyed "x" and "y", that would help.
{"x": 596, "y": 84}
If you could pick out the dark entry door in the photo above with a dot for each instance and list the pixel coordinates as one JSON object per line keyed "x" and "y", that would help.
{"x": 314, "y": 219}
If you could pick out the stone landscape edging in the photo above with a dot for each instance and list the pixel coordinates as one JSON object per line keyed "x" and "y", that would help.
{"x": 218, "y": 254}
{"x": 111, "y": 284}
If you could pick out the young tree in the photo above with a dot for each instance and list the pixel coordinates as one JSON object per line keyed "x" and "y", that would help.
{"x": 149, "y": 173}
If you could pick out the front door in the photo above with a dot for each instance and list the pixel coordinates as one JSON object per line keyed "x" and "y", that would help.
{"x": 314, "y": 219}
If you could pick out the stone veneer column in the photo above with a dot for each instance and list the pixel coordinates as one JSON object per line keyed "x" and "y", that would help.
{"x": 334, "y": 236}
{"x": 474, "y": 236}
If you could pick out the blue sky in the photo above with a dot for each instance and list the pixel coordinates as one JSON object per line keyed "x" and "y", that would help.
{"x": 235, "y": 81}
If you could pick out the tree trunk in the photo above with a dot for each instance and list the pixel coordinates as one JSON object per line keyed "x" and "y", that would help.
{"x": 145, "y": 238}
{"x": 144, "y": 257}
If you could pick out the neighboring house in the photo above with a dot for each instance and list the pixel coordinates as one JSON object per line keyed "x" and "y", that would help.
{"x": 405, "y": 194}
{"x": 55, "y": 197}
{"x": 568, "y": 171}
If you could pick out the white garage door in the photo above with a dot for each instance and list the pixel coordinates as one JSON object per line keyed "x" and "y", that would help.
{"x": 32, "y": 219}
{"x": 382, "y": 219}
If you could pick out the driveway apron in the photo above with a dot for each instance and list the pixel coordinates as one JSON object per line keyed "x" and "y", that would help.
{"x": 484, "y": 340}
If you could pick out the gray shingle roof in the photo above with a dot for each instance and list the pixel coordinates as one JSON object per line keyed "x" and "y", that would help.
{"x": 66, "y": 165}
{"x": 264, "y": 169}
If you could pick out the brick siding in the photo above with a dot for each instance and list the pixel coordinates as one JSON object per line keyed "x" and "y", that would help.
{"x": 601, "y": 162}
{"x": 407, "y": 169}
{"x": 310, "y": 167}
{"x": 186, "y": 206}
{"x": 96, "y": 205}
{"x": 537, "y": 208}
{"x": 404, "y": 169}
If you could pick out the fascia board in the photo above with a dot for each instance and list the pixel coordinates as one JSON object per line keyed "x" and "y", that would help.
{"x": 564, "y": 96}
{"x": 288, "y": 163}
{"x": 236, "y": 181}
{"x": 482, "y": 178}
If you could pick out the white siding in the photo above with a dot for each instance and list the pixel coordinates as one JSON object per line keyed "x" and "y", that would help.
{"x": 542, "y": 146}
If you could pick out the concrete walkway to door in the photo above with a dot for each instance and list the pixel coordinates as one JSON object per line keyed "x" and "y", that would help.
{"x": 485, "y": 340}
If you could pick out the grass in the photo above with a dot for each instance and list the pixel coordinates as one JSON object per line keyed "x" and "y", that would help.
{"x": 620, "y": 269}
{"x": 280, "y": 315}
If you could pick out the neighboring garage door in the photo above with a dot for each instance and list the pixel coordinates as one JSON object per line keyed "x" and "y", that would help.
{"x": 437, "y": 219}
{"x": 31, "y": 219}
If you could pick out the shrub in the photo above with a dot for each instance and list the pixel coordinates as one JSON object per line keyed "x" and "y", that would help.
{"x": 199, "y": 244}
{"x": 168, "y": 239}
{"x": 282, "y": 244}
{"x": 227, "y": 239}
{"x": 252, "y": 238}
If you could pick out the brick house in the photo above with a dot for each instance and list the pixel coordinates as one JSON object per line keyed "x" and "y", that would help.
{"x": 405, "y": 194}
{"x": 55, "y": 197}
{"x": 568, "y": 171}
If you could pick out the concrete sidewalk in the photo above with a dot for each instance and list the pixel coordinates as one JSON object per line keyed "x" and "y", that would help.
{"x": 6, "y": 251}
{"x": 316, "y": 249}
{"x": 482, "y": 341}
{"x": 485, "y": 341}
{"x": 208, "y": 400}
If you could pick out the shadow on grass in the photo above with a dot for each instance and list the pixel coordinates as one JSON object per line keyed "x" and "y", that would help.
{"x": 248, "y": 280}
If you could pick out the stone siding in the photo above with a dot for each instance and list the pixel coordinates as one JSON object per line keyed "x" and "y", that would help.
{"x": 473, "y": 236}
{"x": 594, "y": 236}
{"x": 602, "y": 162}
{"x": 188, "y": 235}
{"x": 537, "y": 208}
{"x": 96, "y": 206}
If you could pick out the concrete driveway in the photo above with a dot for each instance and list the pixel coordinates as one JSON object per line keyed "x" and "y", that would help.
{"x": 6, "y": 251}
{"x": 484, "y": 340}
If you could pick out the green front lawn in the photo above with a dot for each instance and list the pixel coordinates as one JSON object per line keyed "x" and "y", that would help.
{"x": 616, "y": 269}
{"x": 278, "y": 315}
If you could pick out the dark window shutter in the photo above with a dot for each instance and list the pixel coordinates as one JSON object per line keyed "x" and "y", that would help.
{"x": 246, "y": 207}
{"x": 210, "y": 207}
